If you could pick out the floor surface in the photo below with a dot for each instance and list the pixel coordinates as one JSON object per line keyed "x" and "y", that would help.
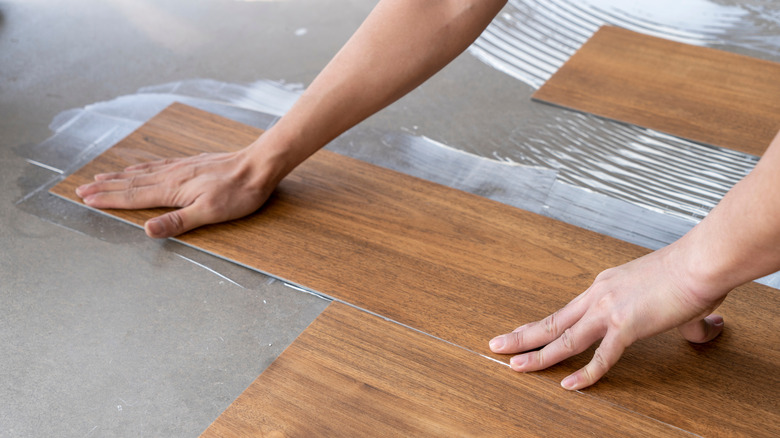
{"x": 114, "y": 335}
{"x": 108, "y": 333}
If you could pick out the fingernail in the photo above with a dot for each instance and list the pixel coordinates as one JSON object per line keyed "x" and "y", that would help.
{"x": 497, "y": 342}
{"x": 518, "y": 362}
{"x": 79, "y": 189}
{"x": 156, "y": 227}
{"x": 569, "y": 382}
{"x": 716, "y": 320}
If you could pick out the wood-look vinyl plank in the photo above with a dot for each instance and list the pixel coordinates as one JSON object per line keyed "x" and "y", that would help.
{"x": 701, "y": 94}
{"x": 354, "y": 374}
{"x": 464, "y": 268}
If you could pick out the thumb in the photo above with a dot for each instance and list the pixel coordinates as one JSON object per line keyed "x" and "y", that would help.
{"x": 702, "y": 330}
{"x": 173, "y": 223}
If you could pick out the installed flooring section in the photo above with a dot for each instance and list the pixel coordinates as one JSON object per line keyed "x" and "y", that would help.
{"x": 701, "y": 94}
{"x": 464, "y": 269}
{"x": 355, "y": 374}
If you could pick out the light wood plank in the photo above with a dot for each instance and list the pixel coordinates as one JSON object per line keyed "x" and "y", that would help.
{"x": 354, "y": 374}
{"x": 697, "y": 93}
{"x": 464, "y": 268}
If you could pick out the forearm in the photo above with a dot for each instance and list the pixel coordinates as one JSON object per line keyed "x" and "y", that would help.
{"x": 739, "y": 240}
{"x": 400, "y": 45}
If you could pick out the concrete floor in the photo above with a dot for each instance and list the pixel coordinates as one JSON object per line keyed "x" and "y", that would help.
{"x": 109, "y": 333}
{"x": 122, "y": 335}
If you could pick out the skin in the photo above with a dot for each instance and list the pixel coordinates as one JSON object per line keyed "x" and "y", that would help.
{"x": 677, "y": 286}
{"x": 380, "y": 63}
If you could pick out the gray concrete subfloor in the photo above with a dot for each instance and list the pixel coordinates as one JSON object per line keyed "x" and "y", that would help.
{"x": 104, "y": 332}
{"x": 107, "y": 336}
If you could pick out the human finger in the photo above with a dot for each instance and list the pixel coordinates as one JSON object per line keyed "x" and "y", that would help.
{"x": 574, "y": 340}
{"x": 542, "y": 332}
{"x": 138, "y": 169}
{"x": 149, "y": 196}
{"x": 159, "y": 168}
{"x": 702, "y": 330}
{"x": 151, "y": 167}
{"x": 118, "y": 184}
{"x": 118, "y": 175}
{"x": 178, "y": 221}
{"x": 606, "y": 355}
{"x": 154, "y": 166}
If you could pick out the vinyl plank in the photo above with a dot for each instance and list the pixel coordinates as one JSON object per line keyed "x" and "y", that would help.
{"x": 355, "y": 374}
{"x": 701, "y": 94}
{"x": 464, "y": 268}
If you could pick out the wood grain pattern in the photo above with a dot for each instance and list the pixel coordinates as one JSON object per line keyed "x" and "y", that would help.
{"x": 464, "y": 268}
{"x": 354, "y": 374}
{"x": 697, "y": 93}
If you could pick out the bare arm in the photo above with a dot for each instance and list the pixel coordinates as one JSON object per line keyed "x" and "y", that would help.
{"x": 676, "y": 286}
{"x": 400, "y": 45}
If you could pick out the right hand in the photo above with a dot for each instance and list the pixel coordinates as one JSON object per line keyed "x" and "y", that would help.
{"x": 637, "y": 300}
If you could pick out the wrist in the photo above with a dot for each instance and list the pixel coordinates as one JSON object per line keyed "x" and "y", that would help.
{"x": 267, "y": 160}
{"x": 698, "y": 273}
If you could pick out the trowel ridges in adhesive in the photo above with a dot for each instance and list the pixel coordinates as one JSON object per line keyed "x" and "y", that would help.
{"x": 463, "y": 269}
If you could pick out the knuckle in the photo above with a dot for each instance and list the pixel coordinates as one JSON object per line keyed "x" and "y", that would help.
{"x": 517, "y": 337}
{"x": 604, "y": 275}
{"x": 595, "y": 369}
{"x": 619, "y": 321}
{"x": 182, "y": 174}
{"x": 130, "y": 194}
{"x": 176, "y": 221}
{"x": 551, "y": 324}
{"x": 193, "y": 170}
{"x": 131, "y": 182}
{"x": 600, "y": 362}
{"x": 606, "y": 303}
{"x": 615, "y": 316}
{"x": 567, "y": 339}
{"x": 540, "y": 359}
{"x": 178, "y": 179}
{"x": 588, "y": 375}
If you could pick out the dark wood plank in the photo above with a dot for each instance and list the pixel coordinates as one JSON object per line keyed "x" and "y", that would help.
{"x": 698, "y": 93}
{"x": 354, "y": 374}
{"x": 464, "y": 268}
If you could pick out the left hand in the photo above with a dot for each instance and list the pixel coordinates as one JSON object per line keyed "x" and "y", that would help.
{"x": 208, "y": 188}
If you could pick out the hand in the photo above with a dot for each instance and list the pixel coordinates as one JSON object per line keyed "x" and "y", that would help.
{"x": 209, "y": 188}
{"x": 676, "y": 286}
{"x": 399, "y": 46}
{"x": 634, "y": 301}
